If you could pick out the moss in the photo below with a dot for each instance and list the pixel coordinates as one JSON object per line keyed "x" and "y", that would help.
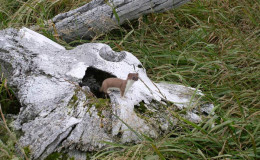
{"x": 58, "y": 156}
{"x": 141, "y": 108}
{"x": 153, "y": 112}
{"x": 27, "y": 151}
{"x": 54, "y": 156}
{"x": 101, "y": 104}
{"x": 74, "y": 99}
{"x": 89, "y": 155}
{"x": 4, "y": 136}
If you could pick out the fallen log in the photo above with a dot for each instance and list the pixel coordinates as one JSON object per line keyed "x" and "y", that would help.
{"x": 100, "y": 16}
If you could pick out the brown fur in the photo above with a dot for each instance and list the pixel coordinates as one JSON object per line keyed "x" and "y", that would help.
{"x": 117, "y": 83}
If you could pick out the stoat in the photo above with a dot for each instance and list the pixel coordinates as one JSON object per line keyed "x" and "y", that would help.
{"x": 117, "y": 83}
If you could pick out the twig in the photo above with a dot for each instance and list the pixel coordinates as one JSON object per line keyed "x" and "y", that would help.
{"x": 146, "y": 85}
{"x": 151, "y": 89}
{"x": 159, "y": 90}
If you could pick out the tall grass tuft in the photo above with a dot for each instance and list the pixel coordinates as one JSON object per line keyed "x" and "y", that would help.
{"x": 17, "y": 13}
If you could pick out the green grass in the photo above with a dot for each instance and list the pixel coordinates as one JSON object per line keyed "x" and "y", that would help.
{"x": 16, "y": 13}
{"x": 8, "y": 138}
{"x": 212, "y": 44}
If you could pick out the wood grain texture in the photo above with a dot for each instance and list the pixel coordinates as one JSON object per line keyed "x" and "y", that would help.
{"x": 99, "y": 16}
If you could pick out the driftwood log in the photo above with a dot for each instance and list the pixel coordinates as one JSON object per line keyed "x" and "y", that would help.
{"x": 100, "y": 16}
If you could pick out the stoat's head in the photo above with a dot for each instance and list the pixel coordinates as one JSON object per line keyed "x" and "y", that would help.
{"x": 133, "y": 76}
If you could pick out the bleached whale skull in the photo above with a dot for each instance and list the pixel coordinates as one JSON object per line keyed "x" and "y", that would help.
{"x": 56, "y": 112}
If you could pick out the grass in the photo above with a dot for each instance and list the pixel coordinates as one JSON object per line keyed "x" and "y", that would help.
{"x": 9, "y": 148}
{"x": 16, "y": 13}
{"x": 211, "y": 44}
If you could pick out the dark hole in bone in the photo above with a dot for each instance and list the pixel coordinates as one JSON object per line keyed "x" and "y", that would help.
{"x": 205, "y": 113}
{"x": 120, "y": 134}
{"x": 9, "y": 102}
{"x": 140, "y": 66}
{"x": 140, "y": 108}
{"x": 93, "y": 79}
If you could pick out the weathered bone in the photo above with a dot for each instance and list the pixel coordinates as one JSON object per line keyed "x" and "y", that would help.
{"x": 57, "y": 114}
